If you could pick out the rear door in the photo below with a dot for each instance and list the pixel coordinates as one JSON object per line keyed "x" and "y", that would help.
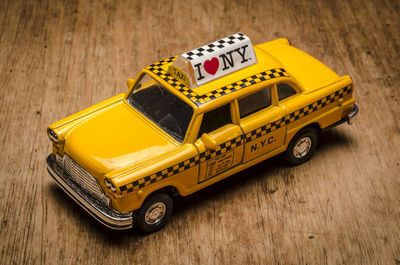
{"x": 262, "y": 122}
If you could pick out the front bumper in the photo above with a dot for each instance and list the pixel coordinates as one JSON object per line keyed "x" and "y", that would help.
{"x": 104, "y": 214}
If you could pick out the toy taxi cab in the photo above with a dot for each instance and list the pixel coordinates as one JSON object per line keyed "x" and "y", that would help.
{"x": 191, "y": 120}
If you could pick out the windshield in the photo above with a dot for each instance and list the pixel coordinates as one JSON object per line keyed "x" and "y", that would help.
{"x": 161, "y": 106}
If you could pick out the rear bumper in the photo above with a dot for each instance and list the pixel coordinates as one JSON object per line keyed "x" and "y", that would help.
{"x": 348, "y": 118}
{"x": 104, "y": 214}
{"x": 352, "y": 114}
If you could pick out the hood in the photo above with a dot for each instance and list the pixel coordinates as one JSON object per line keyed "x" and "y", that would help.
{"x": 114, "y": 138}
{"x": 308, "y": 71}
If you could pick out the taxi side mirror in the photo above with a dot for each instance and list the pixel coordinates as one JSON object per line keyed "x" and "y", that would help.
{"x": 209, "y": 142}
{"x": 130, "y": 83}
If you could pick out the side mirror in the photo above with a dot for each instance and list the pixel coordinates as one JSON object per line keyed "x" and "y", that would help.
{"x": 130, "y": 83}
{"x": 208, "y": 141}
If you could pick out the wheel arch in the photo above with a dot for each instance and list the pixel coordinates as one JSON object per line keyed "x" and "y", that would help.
{"x": 314, "y": 125}
{"x": 310, "y": 131}
{"x": 170, "y": 190}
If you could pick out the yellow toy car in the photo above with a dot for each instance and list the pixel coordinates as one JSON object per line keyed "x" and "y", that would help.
{"x": 191, "y": 120}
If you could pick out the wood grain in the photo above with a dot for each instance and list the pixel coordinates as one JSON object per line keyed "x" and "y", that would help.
{"x": 341, "y": 207}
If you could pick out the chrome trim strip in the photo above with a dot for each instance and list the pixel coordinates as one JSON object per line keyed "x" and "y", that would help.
{"x": 105, "y": 215}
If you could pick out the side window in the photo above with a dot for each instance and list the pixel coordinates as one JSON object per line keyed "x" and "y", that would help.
{"x": 215, "y": 119}
{"x": 285, "y": 91}
{"x": 254, "y": 102}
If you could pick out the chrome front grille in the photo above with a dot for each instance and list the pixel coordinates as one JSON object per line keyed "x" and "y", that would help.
{"x": 81, "y": 177}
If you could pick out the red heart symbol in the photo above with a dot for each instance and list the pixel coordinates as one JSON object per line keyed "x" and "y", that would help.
{"x": 211, "y": 67}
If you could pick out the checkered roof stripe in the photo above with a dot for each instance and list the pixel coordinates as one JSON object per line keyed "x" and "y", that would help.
{"x": 246, "y": 82}
{"x": 214, "y": 46}
{"x": 201, "y": 99}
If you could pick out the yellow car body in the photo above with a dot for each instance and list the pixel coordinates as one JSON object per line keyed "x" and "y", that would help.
{"x": 130, "y": 157}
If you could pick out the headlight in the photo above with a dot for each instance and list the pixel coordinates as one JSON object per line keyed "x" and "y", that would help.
{"x": 110, "y": 185}
{"x": 53, "y": 136}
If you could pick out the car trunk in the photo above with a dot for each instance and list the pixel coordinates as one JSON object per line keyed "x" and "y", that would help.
{"x": 308, "y": 71}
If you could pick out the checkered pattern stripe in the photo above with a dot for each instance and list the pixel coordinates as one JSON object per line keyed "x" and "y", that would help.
{"x": 182, "y": 166}
{"x": 229, "y": 145}
{"x": 246, "y": 82}
{"x": 201, "y": 99}
{"x": 156, "y": 69}
{"x": 214, "y": 46}
{"x": 298, "y": 114}
{"x": 223, "y": 148}
{"x": 265, "y": 129}
{"x": 160, "y": 175}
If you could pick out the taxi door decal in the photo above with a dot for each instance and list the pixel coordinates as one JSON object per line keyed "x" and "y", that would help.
{"x": 218, "y": 165}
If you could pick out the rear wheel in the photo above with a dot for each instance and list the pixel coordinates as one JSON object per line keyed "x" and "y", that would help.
{"x": 154, "y": 213}
{"x": 302, "y": 146}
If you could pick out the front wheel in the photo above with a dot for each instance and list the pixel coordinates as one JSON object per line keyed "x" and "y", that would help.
{"x": 302, "y": 146}
{"x": 154, "y": 213}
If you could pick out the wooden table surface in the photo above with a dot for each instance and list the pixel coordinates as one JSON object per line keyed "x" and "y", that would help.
{"x": 341, "y": 207}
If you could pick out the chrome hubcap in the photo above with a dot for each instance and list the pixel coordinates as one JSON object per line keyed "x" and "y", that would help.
{"x": 155, "y": 213}
{"x": 302, "y": 147}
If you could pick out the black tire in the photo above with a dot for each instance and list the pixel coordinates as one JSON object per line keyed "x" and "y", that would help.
{"x": 146, "y": 218}
{"x": 307, "y": 137}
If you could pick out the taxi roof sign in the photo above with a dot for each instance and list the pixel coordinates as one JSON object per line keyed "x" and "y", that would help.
{"x": 216, "y": 59}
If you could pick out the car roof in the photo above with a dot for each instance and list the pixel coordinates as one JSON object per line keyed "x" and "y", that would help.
{"x": 213, "y": 93}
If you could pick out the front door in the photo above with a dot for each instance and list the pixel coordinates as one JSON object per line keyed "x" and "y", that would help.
{"x": 219, "y": 144}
